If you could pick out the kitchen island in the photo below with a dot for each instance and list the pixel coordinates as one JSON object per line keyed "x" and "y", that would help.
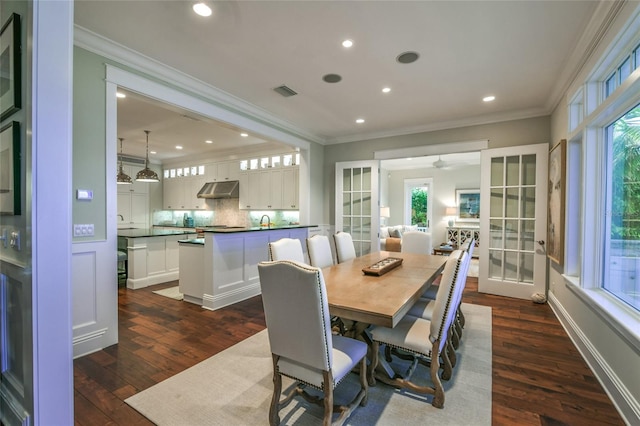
{"x": 222, "y": 268}
{"x": 152, "y": 254}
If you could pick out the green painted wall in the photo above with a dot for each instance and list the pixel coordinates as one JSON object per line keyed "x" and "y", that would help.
{"x": 89, "y": 141}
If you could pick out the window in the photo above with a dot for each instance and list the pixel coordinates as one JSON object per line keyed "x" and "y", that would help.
{"x": 418, "y": 203}
{"x": 622, "y": 225}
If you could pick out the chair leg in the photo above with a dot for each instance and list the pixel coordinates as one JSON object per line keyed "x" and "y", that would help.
{"x": 274, "y": 417}
{"x": 363, "y": 381}
{"x": 438, "y": 397}
{"x": 328, "y": 399}
{"x": 375, "y": 348}
{"x": 461, "y": 317}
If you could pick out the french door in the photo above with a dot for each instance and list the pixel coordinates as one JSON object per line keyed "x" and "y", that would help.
{"x": 513, "y": 221}
{"x": 357, "y": 207}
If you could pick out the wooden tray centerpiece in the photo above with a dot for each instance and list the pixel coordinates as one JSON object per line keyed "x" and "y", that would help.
{"x": 383, "y": 266}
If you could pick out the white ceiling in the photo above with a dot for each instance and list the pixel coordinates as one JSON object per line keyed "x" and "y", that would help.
{"x": 521, "y": 52}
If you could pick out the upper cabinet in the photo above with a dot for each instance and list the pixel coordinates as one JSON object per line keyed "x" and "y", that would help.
{"x": 223, "y": 171}
{"x": 182, "y": 184}
{"x": 270, "y": 182}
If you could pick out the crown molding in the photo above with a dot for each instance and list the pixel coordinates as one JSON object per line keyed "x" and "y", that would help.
{"x": 600, "y": 22}
{"x": 444, "y": 125}
{"x": 109, "y": 49}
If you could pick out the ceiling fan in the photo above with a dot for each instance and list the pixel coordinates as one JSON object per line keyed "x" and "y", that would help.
{"x": 439, "y": 163}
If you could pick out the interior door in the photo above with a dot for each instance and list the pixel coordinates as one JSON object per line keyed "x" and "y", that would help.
{"x": 513, "y": 220}
{"x": 357, "y": 206}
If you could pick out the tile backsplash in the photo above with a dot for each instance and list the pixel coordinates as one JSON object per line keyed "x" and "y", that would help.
{"x": 224, "y": 212}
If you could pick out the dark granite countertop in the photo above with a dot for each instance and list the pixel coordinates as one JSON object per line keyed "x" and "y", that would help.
{"x": 231, "y": 230}
{"x": 151, "y": 232}
{"x": 195, "y": 241}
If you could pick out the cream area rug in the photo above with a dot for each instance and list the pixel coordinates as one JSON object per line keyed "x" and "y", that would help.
{"x": 171, "y": 292}
{"x": 473, "y": 268}
{"x": 234, "y": 387}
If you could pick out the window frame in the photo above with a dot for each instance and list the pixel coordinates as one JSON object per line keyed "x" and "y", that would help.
{"x": 587, "y": 168}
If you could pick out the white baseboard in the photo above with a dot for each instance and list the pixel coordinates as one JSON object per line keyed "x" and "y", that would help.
{"x": 628, "y": 407}
{"x": 135, "y": 284}
{"x": 230, "y": 297}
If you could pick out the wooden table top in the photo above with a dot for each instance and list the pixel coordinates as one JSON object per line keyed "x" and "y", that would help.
{"x": 382, "y": 300}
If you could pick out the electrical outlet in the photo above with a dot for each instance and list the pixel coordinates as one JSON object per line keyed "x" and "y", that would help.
{"x": 83, "y": 230}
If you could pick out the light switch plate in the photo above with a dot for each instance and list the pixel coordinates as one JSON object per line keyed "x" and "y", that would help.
{"x": 83, "y": 230}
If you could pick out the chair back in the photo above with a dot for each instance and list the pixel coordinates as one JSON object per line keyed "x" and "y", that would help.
{"x": 345, "y": 250}
{"x": 319, "y": 250}
{"x": 472, "y": 245}
{"x": 286, "y": 249}
{"x": 444, "y": 309}
{"x": 297, "y": 313}
{"x": 416, "y": 242}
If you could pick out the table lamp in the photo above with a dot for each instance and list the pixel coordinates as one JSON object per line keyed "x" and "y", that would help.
{"x": 450, "y": 212}
{"x": 385, "y": 213}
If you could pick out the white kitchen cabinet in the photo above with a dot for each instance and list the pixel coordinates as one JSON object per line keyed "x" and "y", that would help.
{"x": 290, "y": 188}
{"x": 134, "y": 209}
{"x": 195, "y": 185}
{"x": 270, "y": 189}
{"x": 173, "y": 194}
{"x": 191, "y": 274}
{"x": 224, "y": 171}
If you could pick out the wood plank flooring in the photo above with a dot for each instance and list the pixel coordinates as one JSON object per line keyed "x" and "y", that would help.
{"x": 539, "y": 377}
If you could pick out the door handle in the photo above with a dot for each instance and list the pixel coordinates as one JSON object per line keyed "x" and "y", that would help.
{"x": 541, "y": 242}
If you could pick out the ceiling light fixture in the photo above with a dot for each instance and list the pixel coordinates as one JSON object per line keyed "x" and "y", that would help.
{"x": 208, "y": 141}
{"x": 178, "y": 146}
{"x": 123, "y": 178}
{"x": 244, "y": 135}
{"x": 202, "y": 9}
{"x": 146, "y": 174}
{"x": 347, "y": 43}
{"x": 489, "y": 98}
{"x": 386, "y": 89}
{"x": 120, "y": 95}
{"x": 360, "y": 120}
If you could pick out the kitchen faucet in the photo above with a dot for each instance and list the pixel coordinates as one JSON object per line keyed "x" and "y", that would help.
{"x": 268, "y": 220}
{"x": 121, "y": 217}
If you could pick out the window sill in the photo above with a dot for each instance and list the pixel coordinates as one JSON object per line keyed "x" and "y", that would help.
{"x": 621, "y": 317}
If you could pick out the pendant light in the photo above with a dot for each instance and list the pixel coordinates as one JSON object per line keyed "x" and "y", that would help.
{"x": 123, "y": 178}
{"x": 146, "y": 174}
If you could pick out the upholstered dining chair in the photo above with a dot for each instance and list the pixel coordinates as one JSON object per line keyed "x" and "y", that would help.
{"x": 305, "y": 350}
{"x": 286, "y": 249}
{"x": 345, "y": 250}
{"x": 425, "y": 340}
{"x": 466, "y": 246}
{"x": 416, "y": 242}
{"x": 319, "y": 250}
{"x": 424, "y": 306}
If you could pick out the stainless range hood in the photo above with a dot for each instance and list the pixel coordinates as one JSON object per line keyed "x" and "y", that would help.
{"x": 227, "y": 189}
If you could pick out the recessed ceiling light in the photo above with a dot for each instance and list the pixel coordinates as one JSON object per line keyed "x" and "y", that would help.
{"x": 386, "y": 90}
{"x": 120, "y": 95}
{"x": 208, "y": 141}
{"x": 347, "y": 43}
{"x": 244, "y": 135}
{"x": 202, "y": 9}
{"x": 489, "y": 98}
{"x": 152, "y": 152}
{"x": 178, "y": 146}
{"x": 360, "y": 120}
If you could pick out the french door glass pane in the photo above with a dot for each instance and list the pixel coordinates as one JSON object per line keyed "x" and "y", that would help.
{"x": 526, "y": 267}
{"x": 495, "y": 264}
{"x": 366, "y": 179}
{"x": 527, "y": 237}
{"x": 357, "y": 179}
{"x": 513, "y": 171}
{"x": 511, "y": 234}
{"x": 496, "y": 202}
{"x": 366, "y": 203}
{"x": 510, "y": 266}
{"x": 529, "y": 169}
{"x": 497, "y": 171}
{"x": 496, "y": 231}
{"x": 511, "y": 201}
{"x": 346, "y": 180}
{"x": 346, "y": 203}
{"x": 357, "y": 205}
{"x": 528, "y": 208}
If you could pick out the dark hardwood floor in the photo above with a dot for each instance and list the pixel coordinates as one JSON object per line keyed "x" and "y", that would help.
{"x": 539, "y": 377}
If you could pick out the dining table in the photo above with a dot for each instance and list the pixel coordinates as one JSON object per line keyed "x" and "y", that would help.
{"x": 379, "y": 300}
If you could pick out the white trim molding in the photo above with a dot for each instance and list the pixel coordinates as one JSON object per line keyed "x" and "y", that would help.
{"x": 628, "y": 407}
